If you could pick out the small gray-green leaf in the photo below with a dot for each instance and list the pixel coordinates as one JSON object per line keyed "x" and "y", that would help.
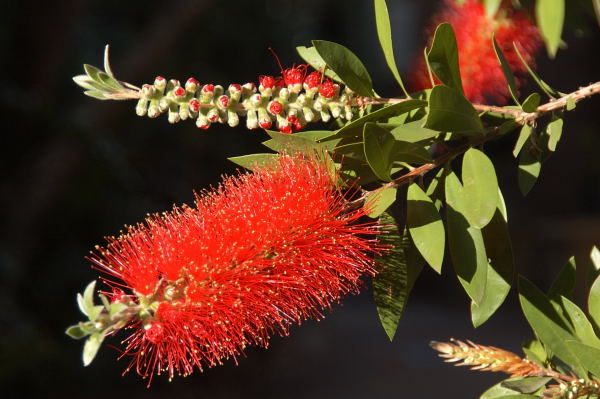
{"x": 594, "y": 303}
{"x": 550, "y": 18}
{"x": 75, "y": 332}
{"x": 95, "y": 94}
{"x": 384, "y": 32}
{"x": 254, "y": 160}
{"x": 425, "y": 227}
{"x": 595, "y": 257}
{"x": 378, "y": 201}
{"x": 529, "y": 171}
{"x": 554, "y": 130}
{"x": 346, "y": 65}
{"x": 480, "y": 188}
{"x": 91, "y": 346}
{"x": 531, "y": 103}
{"x": 443, "y": 57}
{"x": 524, "y": 134}
{"x": 450, "y": 111}
{"x": 571, "y": 103}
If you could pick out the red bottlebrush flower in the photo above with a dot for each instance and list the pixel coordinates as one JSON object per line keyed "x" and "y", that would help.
{"x": 313, "y": 79}
{"x": 275, "y": 107}
{"x": 269, "y": 82}
{"x": 480, "y": 70}
{"x": 294, "y": 75}
{"x": 263, "y": 251}
{"x": 328, "y": 89}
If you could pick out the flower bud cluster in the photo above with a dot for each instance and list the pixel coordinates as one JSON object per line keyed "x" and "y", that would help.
{"x": 286, "y": 102}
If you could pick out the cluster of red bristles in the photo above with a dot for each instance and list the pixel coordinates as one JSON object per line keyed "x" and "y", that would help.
{"x": 261, "y": 252}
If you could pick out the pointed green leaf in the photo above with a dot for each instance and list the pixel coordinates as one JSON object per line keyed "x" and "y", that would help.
{"x": 413, "y": 132}
{"x": 400, "y": 269}
{"x": 526, "y": 384}
{"x": 384, "y": 32}
{"x": 589, "y": 356}
{"x": 346, "y": 65}
{"x": 529, "y": 171}
{"x": 450, "y": 111}
{"x": 404, "y": 151}
{"x": 91, "y": 346}
{"x": 480, "y": 188}
{"x": 443, "y": 57}
{"x": 595, "y": 257}
{"x": 492, "y": 6}
{"x": 554, "y": 131}
{"x": 95, "y": 94}
{"x": 378, "y": 201}
{"x": 594, "y": 303}
{"x": 548, "y": 324}
{"x": 550, "y": 18}
{"x": 501, "y": 391}
{"x": 435, "y": 190}
{"x": 524, "y": 134}
{"x": 379, "y": 144}
{"x": 466, "y": 244}
{"x": 564, "y": 282}
{"x": 355, "y": 127}
{"x": 107, "y": 67}
{"x": 581, "y": 325}
{"x": 531, "y": 103}
{"x": 550, "y": 92}
{"x": 310, "y": 55}
{"x": 75, "y": 332}
{"x": 282, "y": 142}
{"x": 87, "y": 83}
{"x": 501, "y": 266}
{"x": 571, "y": 103}
{"x": 254, "y": 160}
{"x": 425, "y": 227}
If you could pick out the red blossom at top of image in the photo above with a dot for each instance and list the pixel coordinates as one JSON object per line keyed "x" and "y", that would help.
{"x": 259, "y": 253}
{"x": 482, "y": 77}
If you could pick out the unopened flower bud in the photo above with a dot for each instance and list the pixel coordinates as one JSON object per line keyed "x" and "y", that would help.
{"x": 160, "y": 83}
{"x": 223, "y": 101}
{"x": 212, "y": 115}
{"x": 308, "y": 114}
{"x": 249, "y": 87}
{"x": 172, "y": 84}
{"x": 325, "y": 116}
{"x": 142, "y": 107}
{"x": 147, "y": 91}
{"x": 256, "y": 100}
{"x": 194, "y": 104}
{"x": 284, "y": 94}
{"x": 264, "y": 119}
{"x": 191, "y": 85}
{"x": 184, "y": 111}
{"x": 202, "y": 122}
{"x": 154, "y": 110}
{"x": 174, "y": 113}
{"x": 232, "y": 118}
{"x": 275, "y": 107}
{"x": 179, "y": 92}
{"x": 163, "y": 104}
{"x": 251, "y": 120}
{"x": 208, "y": 91}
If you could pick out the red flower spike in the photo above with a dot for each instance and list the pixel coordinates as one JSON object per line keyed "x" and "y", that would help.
{"x": 328, "y": 89}
{"x": 265, "y": 250}
{"x": 294, "y": 75}
{"x": 480, "y": 70}
{"x": 179, "y": 92}
{"x": 269, "y": 82}
{"x": 275, "y": 108}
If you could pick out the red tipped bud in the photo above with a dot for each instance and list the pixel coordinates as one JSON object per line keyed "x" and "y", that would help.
{"x": 275, "y": 107}
{"x": 179, "y": 92}
{"x": 256, "y": 100}
{"x": 192, "y": 85}
{"x": 234, "y": 87}
{"x": 313, "y": 80}
{"x": 224, "y": 101}
{"x": 213, "y": 115}
{"x": 195, "y": 105}
{"x": 286, "y": 129}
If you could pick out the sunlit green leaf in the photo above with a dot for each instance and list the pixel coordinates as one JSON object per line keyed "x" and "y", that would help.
{"x": 310, "y": 55}
{"x": 499, "y": 390}
{"x": 531, "y": 103}
{"x": 589, "y": 356}
{"x": 581, "y": 325}
{"x": 450, "y": 111}
{"x": 252, "y": 161}
{"x": 384, "y": 32}
{"x": 91, "y": 346}
{"x": 564, "y": 282}
{"x": 554, "y": 130}
{"x": 529, "y": 171}
{"x": 550, "y": 17}
{"x": 378, "y": 201}
{"x": 413, "y": 132}
{"x": 425, "y": 227}
{"x": 526, "y": 384}
{"x": 346, "y": 65}
{"x": 594, "y": 303}
{"x": 443, "y": 57}
{"x": 480, "y": 188}
{"x": 524, "y": 134}
{"x": 379, "y": 144}
{"x": 491, "y": 7}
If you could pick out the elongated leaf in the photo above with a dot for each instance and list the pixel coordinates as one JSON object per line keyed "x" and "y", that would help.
{"x": 413, "y": 132}
{"x": 404, "y": 151}
{"x": 492, "y": 6}
{"x": 253, "y": 160}
{"x": 355, "y": 127}
{"x": 400, "y": 269}
{"x": 564, "y": 282}
{"x": 589, "y": 356}
{"x": 502, "y": 390}
{"x": 524, "y": 134}
{"x": 501, "y": 266}
{"x": 526, "y": 384}
{"x": 378, "y": 201}
{"x": 466, "y": 244}
{"x": 294, "y": 143}
{"x": 346, "y": 65}
{"x": 594, "y": 303}
{"x": 310, "y": 55}
{"x": 554, "y": 131}
{"x": 91, "y": 346}
{"x": 548, "y": 324}
{"x": 550, "y": 18}
{"x": 379, "y": 144}
{"x": 581, "y": 325}
{"x": 384, "y": 33}
{"x": 529, "y": 171}
{"x": 550, "y": 92}
{"x": 480, "y": 188}
{"x": 435, "y": 190}
{"x": 449, "y": 111}
{"x": 425, "y": 227}
{"x": 443, "y": 57}
{"x": 75, "y": 332}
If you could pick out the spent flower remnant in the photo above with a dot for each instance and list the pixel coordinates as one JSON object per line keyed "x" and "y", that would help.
{"x": 481, "y": 74}
{"x": 262, "y": 251}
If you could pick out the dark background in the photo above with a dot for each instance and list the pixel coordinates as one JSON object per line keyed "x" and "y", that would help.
{"x": 75, "y": 169}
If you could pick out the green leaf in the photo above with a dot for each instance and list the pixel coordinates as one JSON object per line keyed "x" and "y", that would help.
{"x": 536, "y": 352}
{"x": 95, "y": 94}
{"x": 443, "y": 57}
{"x": 252, "y": 161}
{"x": 492, "y": 6}
{"x": 594, "y": 303}
{"x": 400, "y": 269}
{"x": 587, "y": 355}
{"x": 531, "y": 103}
{"x": 466, "y": 244}
{"x": 480, "y": 188}
{"x": 500, "y": 391}
{"x": 596, "y": 5}
{"x": 355, "y": 127}
{"x": 75, "y": 332}
{"x": 292, "y": 143}
{"x": 379, "y": 200}
{"x": 595, "y": 257}
{"x": 524, "y": 134}
{"x": 384, "y": 32}
{"x": 529, "y": 171}
{"x": 548, "y": 324}
{"x": 581, "y": 325}
{"x": 550, "y": 92}
{"x": 310, "y": 55}
{"x": 91, "y": 346}
{"x": 413, "y": 132}
{"x": 450, "y": 111}
{"x": 550, "y": 18}
{"x": 379, "y": 144}
{"x": 564, "y": 282}
{"x": 526, "y": 384}
{"x": 501, "y": 266}
{"x": 554, "y": 130}
{"x": 410, "y": 152}
{"x": 425, "y": 226}
{"x": 435, "y": 190}
{"x": 346, "y": 65}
